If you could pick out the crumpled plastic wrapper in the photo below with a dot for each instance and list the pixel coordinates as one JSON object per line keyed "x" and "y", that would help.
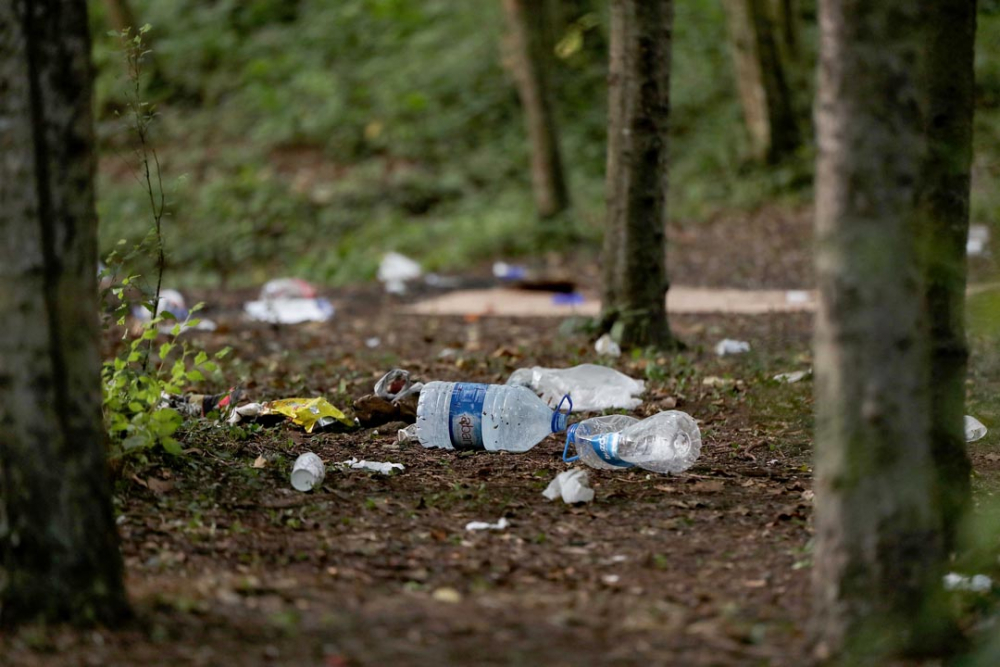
{"x": 573, "y": 486}
{"x": 304, "y": 412}
{"x": 396, "y": 385}
{"x": 729, "y": 346}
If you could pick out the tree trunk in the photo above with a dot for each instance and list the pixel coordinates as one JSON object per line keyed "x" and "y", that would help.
{"x": 58, "y": 543}
{"x": 761, "y": 78}
{"x": 948, "y": 97}
{"x": 530, "y": 52}
{"x": 878, "y": 542}
{"x": 634, "y": 271}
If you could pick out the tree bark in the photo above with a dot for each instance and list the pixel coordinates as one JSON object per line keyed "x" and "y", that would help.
{"x": 761, "y": 77}
{"x": 949, "y": 97}
{"x": 634, "y": 263}
{"x": 530, "y": 51}
{"x": 58, "y": 544}
{"x": 878, "y": 542}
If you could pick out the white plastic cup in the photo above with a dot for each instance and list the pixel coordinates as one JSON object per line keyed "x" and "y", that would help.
{"x": 307, "y": 472}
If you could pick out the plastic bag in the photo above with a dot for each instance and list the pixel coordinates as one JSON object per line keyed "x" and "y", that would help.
{"x": 591, "y": 387}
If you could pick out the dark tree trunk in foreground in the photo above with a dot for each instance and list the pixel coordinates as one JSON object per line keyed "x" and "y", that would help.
{"x": 634, "y": 262}
{"x": 949, "y": 97}
{"x": 878, "y": 542}
{"x": 530, "y": 53}
{"x": 58, "y": 544}
{"x": 758, "y": 42}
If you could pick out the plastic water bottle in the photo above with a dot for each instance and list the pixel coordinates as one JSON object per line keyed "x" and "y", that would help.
{"x": 667, "y": 442}
{"x": 494, "y": 417}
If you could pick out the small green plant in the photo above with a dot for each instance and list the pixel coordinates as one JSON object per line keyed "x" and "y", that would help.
{"x": 135, "y": 413}
{"x": 139, "y": 379}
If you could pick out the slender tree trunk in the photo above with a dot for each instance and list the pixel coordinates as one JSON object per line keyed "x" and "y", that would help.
{"x": 878, "y": 543}
{"x": 786, "y": 14}
{"x": 635, "y": 277}
{"x": 949, "y": 98}
{"x": 530, "y": 52}
{"x": 58, "y": 545}
{"x": 755, "y": 37}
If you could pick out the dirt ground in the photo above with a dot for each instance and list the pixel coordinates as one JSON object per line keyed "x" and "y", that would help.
{"x": 226, "y": 564}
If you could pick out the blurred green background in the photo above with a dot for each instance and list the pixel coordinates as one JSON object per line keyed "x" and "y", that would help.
{"x": 307, "y": 137}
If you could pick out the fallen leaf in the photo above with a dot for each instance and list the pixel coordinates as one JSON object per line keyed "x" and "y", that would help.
{"x": 159, "y": 486}
{"x": 708, "y": 486}
{"x": 447, "y": 594}
{"x": 259, "y": 462}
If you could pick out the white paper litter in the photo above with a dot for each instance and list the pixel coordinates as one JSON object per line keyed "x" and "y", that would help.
{"x": 796, "y": 296}
{"x": 573, "y": 485}
{"x": 607, "y": 347}
{"x": 289, "y": 311}
{"x": 794, "y": 376}
{"x": 408, "y": 434}
{"x": 978, "y": 240}
{"x": 395, "y": 270}
{"x": 374, "y": 466}
{"x": 373, "y": 342}
{"x": 591, "y": 387}
{"x": 979, "y": 583}
{"x": 249, "y": 410}
{"x": 974, "y": 429}
{"x": 482, "y": 525}
{"x": 730, "y": 346}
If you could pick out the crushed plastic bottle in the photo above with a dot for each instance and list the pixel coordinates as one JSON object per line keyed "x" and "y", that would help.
{"x": 581, "y": 434}
{"x": 592, "y": 387}
{"x": 465, "y": 415}
{"x": 396, "y": 270}
{"x": 668, "y": 442}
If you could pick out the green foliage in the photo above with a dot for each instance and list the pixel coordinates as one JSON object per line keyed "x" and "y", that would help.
{"x": 134, "y": 411}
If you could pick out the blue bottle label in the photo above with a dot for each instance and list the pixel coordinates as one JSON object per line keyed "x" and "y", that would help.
{"x": 606, "y": 448}
{"x": 465, "y": 418}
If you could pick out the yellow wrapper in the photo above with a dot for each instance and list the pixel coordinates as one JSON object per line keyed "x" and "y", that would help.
{"x": 305, "y": 412}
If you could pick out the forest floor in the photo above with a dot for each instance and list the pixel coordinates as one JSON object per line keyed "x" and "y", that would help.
{"x": 226, "y": 564}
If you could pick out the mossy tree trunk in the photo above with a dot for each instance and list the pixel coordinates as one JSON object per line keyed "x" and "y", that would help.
{"x": 634, "y": 258}
{"x": 58, "y": 544}
{"x": 878, "y": 537}
{"x": 759, "y": 32}
{"x": 949, "y": 98}
{"x": 529, "y": 42}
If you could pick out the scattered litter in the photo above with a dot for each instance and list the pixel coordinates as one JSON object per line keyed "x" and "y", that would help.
{"x": 505, "y": 271}
{"x": 979, "y": 583}
{"x": 573, "y": 485}
{"x": 307, "y": 472}
{"x": 395, "y": 270}
{"x": 289, "y": 311}
{"x": 407, "y": 435}
{"x": 730, "y": 346}
{"x": 792, "y": 377}
{"x": 171, "y": 301}
{"x": 482, "y": 525}
{"x": 591, "y": 387}
{"x": 610, "y": 579}
{"x": 280, "y": 289}
{"x": 373, "y": 342}
{"x": 201, "y": 405}
{"x": 396, "y": 385}
{"x": 308, "y": 413}
{"x": 447, "y": 353}
{"x": 607, "y": 347}
{"x": 570, "y": 299}
{"x": 974, "y": 429}
{"x": 443, "y": 282}
{"x": 447, "y": 594}
{"x": 667, "y": 442}
{"x": 797, "y": 296}
{"x": 978, "y": 241}
{"x": 374, "y": 466}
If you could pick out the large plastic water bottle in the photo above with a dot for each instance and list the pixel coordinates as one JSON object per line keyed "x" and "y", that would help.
{"x": 667, "y": 442}
{"x": 464, "y": 415}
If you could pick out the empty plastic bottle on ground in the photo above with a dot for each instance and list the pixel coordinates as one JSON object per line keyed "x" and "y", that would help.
{"x": 667, "y": 442}
{"x": 464, "y": 415}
